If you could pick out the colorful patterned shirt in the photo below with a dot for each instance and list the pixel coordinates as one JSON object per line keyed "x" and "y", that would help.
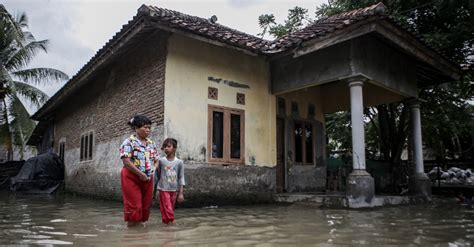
{"x": 142, "y": 155}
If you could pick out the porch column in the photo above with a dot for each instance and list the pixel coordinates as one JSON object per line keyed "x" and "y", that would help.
{"x": 357, "y": 122}
{"x": 419, "y": 183}
{"x": 360, "y": 185}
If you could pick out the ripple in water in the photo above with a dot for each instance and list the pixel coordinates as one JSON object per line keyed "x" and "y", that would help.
{"x": 71, "y": 220}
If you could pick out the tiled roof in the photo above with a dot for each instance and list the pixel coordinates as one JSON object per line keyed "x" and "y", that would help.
{"x": 218, "y": 32}
{"x": 213, "y": 31}
{"x": 327, "y": 25}
{"x": 206, "y": 28}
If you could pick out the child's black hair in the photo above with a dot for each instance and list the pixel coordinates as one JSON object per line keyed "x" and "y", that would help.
{"x": 139, "y": 121}
{"x": 171, "y": 141}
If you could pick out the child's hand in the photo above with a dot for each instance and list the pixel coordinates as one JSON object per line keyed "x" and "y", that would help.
{"x": 180, "y": 197}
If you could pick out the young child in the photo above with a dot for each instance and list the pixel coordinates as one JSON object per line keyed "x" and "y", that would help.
{"x": 170, "y": 174}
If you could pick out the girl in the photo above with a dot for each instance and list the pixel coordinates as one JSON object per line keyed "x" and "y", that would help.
{"x": 139, "y": 158}
{"x": 170, "y": 174}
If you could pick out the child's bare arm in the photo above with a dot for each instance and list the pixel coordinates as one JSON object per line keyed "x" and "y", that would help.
{"x": 181, "y": 182}
{"x": 181, "y": 194}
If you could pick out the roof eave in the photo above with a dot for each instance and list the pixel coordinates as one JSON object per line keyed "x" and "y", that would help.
{"x": 350, "y": 32}
{"x": 37, "y": 133}
{"x": 412, "y": 45}
{"x": 404, "y": 39}
{"x": 205, "y": 39}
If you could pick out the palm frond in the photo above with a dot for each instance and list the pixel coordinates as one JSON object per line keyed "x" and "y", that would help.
{"x": 5, "y": 54}
{"x": 22, "y": 56}
{"x": 6, "y": 82}
{"x": 11, "y": 24}
{"x": 29, "y": 92}
{"x": 29, "y": 37}
{"x": 40, "y": 75}
{"x": 7, "y": 41}
{"x": 22, "y": 20}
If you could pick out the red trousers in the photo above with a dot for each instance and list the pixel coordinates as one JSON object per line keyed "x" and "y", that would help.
{"x": 167, "y": 204}
{"x": 137, "y": 196}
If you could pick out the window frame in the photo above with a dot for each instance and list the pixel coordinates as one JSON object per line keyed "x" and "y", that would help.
{"x": 86, "y": 146}
{"x": 303, "y": 123}
{"x": 226, "y": 157}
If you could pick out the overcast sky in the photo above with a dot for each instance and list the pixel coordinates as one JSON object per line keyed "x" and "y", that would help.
{"x": 78, "y": 29}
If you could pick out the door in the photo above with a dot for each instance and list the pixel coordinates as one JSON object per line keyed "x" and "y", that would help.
{"x": 280, "y": 168}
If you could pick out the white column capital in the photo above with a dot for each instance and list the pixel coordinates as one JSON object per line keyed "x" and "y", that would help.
{"x": 414, "y": 106}
{"x": 357, "y": 80}
{"x": 356, "y": 83}
{"x": 414, "y": 102}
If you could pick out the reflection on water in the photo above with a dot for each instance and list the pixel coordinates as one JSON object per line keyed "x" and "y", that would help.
{"x": 69, "y": 220}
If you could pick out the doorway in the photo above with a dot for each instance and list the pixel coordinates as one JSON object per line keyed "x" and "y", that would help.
{"x": 280, "y": 168}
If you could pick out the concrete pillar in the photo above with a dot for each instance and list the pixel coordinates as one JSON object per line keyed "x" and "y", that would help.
{"x": 360, "y": 185}
{"x": 289, "y": 186}
{"x": 357, "y": 122}
{"x": 419, "y": 183}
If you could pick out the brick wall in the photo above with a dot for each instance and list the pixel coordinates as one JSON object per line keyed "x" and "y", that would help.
{"x": 132, "y": 84}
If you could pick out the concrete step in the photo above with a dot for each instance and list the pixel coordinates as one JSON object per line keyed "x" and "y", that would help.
{"x": 340, "y": 200}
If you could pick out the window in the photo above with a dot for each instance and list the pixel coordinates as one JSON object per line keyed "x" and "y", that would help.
{"x": 226, "y": 135}
{"x": 303, "y": 140}
{"x": 87, "y": 146}
{"x": 62, "y": 145}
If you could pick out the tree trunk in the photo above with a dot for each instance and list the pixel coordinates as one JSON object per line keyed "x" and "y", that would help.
{"x": 23, "y": 141}
{"x": 401, "y": 134}
{"x": 6, "y": 128}
{"x": 4, "y": 78}
{"x": 392, "y": 138}
{"x": 384, "y": 129}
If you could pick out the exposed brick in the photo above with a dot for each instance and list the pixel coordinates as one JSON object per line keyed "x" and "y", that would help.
{"x": 134, "y": 84}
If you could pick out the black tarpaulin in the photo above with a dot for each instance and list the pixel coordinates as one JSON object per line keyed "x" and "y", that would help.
{"x": 42, "y": 174}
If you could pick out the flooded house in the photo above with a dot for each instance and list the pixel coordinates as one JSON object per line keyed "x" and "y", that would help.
{"x": 248, "y": 113}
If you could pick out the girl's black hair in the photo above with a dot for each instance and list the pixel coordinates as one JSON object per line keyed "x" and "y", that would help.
{"x": 171, "y": 141}
{"x": 139, "y": 121}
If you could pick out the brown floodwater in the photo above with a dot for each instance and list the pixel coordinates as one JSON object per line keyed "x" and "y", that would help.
{"x": 66, "y": 220}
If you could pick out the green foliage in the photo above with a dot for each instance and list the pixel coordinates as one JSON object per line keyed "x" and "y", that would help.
{"x": 447, "y": 119}
{"x": 338, "y": 129}
{"x": 297, "y": 18}
{"x": 17, "y": 48}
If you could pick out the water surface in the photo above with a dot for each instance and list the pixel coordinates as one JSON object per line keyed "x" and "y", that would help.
{"x": 66, "y": 220}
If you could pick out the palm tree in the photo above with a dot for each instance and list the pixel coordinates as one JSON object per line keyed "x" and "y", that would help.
{"x": 17, "y": 48}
